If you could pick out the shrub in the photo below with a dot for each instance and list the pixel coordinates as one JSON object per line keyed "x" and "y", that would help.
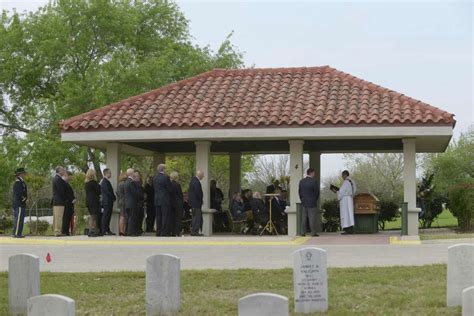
{"x": 430, "y": 200}
{"x": 331, "y": 216}
{"x": 6, "y": 223}
{"x": 388, "y": 212}
{"x": 461, "y": 204}
{"x": 38, "y": 227}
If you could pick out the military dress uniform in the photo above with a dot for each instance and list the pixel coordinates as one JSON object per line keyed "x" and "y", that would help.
{"x": 20, "y": 195}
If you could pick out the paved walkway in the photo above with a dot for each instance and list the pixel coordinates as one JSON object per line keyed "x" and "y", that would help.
{"x": 82, "y": 254}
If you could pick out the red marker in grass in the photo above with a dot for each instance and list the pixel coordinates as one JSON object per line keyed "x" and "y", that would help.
{"x": 48, "y": 258}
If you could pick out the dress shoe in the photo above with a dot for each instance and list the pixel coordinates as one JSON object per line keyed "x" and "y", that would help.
{"x": 314, "y": 235}
{"x": 197, "y": 234}
{"x": 109, "y": 233}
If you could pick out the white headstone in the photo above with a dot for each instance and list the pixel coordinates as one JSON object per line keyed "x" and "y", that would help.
{"x": 310, "y": 280}
{"x": 468, "y": 301}
{"x": 460, "y": 272}
{"x": 263, "y": 304}
{"x": 23, "y": 282}
{"x": 51, "y": 304}
{"x": 162, "y": 284}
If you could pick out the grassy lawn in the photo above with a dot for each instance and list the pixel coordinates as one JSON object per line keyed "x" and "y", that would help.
{"x": 352, "y": 291}
{"x": 445, "y": 219}
{"x": 446, "y": 236}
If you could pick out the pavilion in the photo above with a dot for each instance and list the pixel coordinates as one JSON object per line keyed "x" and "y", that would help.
{"x": 286, "y": 110}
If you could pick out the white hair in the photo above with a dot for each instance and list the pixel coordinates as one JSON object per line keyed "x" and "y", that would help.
{"x": 161, "y": 167}
{"x": 174, "y": 175}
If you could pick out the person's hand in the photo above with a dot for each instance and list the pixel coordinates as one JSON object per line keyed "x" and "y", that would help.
{"x": 74, "y": 201}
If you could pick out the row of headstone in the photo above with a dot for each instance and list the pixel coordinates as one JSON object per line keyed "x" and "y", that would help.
{"x": 24, "y": 290}
{"x": 460, "y": 278}
{"x": 163, "y": 285}
{"x": 310, "y": 285}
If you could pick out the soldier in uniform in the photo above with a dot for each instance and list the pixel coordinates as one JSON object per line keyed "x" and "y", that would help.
{"x": 19, "y": 203}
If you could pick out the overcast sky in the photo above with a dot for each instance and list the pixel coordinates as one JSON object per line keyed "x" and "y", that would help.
{"x": 421, "y": 49}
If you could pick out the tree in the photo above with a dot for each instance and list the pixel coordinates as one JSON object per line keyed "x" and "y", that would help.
{"x": 380, "y": 174}
{"x": 72, "y": 56}
{"x": 454, "y": 176}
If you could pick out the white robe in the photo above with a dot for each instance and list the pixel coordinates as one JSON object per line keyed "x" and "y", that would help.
{"x": 345, "y": 195}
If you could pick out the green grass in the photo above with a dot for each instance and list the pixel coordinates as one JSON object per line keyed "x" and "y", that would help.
{"x": 352, "y": 291}
{"x": 445, "y": 219}
{"x": 446, "y": 236}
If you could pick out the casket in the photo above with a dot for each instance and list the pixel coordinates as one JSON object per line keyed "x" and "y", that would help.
{"x": 366, "y": 210}
{"x": 366, "y": 203}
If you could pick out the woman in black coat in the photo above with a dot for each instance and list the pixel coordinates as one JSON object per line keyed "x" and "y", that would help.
{"x": 92, "y": 189}
{"x": 259, "y": 210}
{"x": 177, "y": 204}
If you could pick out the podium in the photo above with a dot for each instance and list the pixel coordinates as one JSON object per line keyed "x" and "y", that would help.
{"x": 270, "y": 227}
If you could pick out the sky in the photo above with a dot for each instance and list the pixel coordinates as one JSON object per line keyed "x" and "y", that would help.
{"x": 422, "y": 49}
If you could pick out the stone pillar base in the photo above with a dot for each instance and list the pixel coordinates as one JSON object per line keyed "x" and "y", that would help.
{"x": 291, "y": 222}
{"x": 114, "y": 223}
{"x": 207, "y": 217}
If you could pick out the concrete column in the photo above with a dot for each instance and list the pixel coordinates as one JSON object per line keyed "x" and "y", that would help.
{"x": 409, "y": 184}
{"x": 296, "y": 174}
{"x": 315, "y": 162}
{"x": 157, "y": 159}
{"x": 235, "y": 172}
{"x": 203, "y": 155}
{"x": 113, "y": 163}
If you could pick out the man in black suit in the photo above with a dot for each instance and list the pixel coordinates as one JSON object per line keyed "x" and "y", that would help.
{"x": 59, "y": 200}
{"x": 271, "y": 190}
{"x": 162, "y": 186}
{"x": 20, "y": 195}
{"x": 131, "y": 198}
{"x": 108, "y": 199}
{"x": 309, "y": 194}
{"x": 68, "y": 206}
{"x": 195, "y": 196}
{"x": 272, "y": 187}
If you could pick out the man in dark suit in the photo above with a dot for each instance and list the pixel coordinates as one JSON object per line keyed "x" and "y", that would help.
{"x": 195, "y": 196}
{"x": 150, "y": 205}
{"x": 131, "y": 198}
{"x": 59, "y": 200}
{"x": 162, "y": 186}
{"x": 68, "y": 206}
{"x": 20, "y": 195}
{"x": 108, "y": 199}
{"x": 309, "y": 194}
{"x": 271, "y": 190}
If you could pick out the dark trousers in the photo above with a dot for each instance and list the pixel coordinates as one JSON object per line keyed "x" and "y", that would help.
{"x": 309, "y": 214}
{"x": 158, "y": 220}
{"x": 18, "y": 220}
{"x": 150, "y": 218}
{"x": 99, "y": 223}
{"x": 107, "y": 215}
{"x": 141, "y": 217}
{"x": 68, "y": 211}
{"x": 132, "y": 221}
{"x": 196, "y": 221}
{"x": 177, "y": 214}
{"x": 166, "y": 224}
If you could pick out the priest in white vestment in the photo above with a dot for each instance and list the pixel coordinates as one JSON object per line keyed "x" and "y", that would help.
{"x": 345, "y": 195}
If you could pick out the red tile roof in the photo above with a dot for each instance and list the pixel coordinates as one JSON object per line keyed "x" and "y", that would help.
{"x": 283, "y": 97}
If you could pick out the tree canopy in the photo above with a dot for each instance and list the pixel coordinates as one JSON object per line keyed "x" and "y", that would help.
{"x": 72, "y": 56}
